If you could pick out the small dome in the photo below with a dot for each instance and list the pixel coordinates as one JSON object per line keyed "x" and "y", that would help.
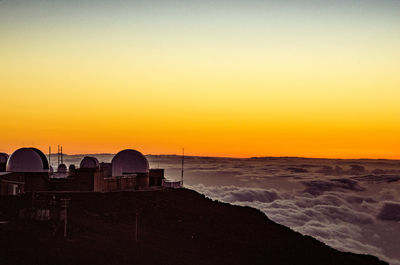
{"x": 3, "y": 158}
{"x": 72, "y": 170}
{"x": 71, "y": 167}
{"x": 62, "y": 168}
{"x": 27, "y": 160}
{"x": 89, "y": 162}
{"x": 129, "y": 162}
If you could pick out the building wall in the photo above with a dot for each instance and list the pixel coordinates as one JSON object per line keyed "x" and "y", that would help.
{"x": 84, "y": 179}
{"x": 11, "y": 184}
{"x": 128, "y": 183}
{"x": 119, "y": 183}
{"x": 61, "y": 184}
{"x": 172, "y": 184}
{"x": 98, "y": 181}
{"x": 36, "y": 181}
{"x": 110, "y": 184}
{"x": 107, "y": 169}
{"x": 16, "y": 183}
{"x": 142, "y": 180}
{"x": 95, "y": 180}
{"x": 156, "y": 177}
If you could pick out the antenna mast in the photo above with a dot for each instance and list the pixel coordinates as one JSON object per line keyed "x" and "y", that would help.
{"x": 60, "y": 155}
{"x": 183, "y": 161}
{"x": 49, "y": 156}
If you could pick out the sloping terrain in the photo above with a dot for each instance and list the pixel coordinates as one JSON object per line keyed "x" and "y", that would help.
{"x": 174, "y": 227}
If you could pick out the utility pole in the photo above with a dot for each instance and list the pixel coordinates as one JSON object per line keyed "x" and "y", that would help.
{"x": 183, "y": 161}
{"x": 136, "y": 227}
{"x": 54, "y": 217}
{"x": 65, "y": 205}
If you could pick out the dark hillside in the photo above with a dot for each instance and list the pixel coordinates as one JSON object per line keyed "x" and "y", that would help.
{"x": 175, "y": 227}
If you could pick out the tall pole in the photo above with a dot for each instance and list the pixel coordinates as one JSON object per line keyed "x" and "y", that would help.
{"x": 62, "y": 162}
{"x": 183, "y": 161}
{"x": 65, "y": 204}
{"x": 49, "y": 157}
{"x": 65, "y": 221}
{"x": 136, "y": 227}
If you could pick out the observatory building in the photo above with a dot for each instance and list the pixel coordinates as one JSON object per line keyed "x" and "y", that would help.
{"x": 26, "y": 160}
{"x": 128, "y": 170}
{"x": 128, "y": 163}
{"x": 89, "y": 162}
{"x": 88, "y": 177}
{"x": 28, "y": 170}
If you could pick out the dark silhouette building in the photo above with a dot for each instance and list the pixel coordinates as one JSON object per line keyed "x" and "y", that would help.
{"x": 27, "y": 170}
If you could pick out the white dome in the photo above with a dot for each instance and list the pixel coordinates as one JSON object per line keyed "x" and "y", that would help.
{"x": 129, "y": 162}
{"x": 42, "y": 156}
{"x": 89, "y": 162}
{"x": 27, "y": 160}
{"x": 3, "y": 158}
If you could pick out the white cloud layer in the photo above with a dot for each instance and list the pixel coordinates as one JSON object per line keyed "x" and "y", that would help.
{"x": 351, "y": 205}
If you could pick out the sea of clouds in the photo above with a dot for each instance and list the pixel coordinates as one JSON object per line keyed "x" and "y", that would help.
{"x": 351, "y": 205}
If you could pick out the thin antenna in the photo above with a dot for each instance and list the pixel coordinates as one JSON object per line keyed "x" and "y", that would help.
{"x": 62, "y": 161}
{"x": 183, "y": 162}
{"x": 58, "y": 155}
{"x": 49, "y": 156}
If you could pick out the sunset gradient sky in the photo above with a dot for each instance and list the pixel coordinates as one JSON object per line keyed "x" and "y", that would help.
{"x": 221, "y": 78}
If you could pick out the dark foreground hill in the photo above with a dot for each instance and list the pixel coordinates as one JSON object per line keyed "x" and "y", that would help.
{"x": 174, "y": 227}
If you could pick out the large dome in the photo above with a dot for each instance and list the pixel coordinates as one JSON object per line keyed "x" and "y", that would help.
{"x": 89, "y": 162}
{"x": 27, "y": 160}
{"x": 129, "y": 162}
{"x": 42, "y": 156}
{"x": 3, "y": 158}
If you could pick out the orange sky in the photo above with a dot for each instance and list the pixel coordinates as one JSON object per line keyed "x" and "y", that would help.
{"x": 217, "y": 82}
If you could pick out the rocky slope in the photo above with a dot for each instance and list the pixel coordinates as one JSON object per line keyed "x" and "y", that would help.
{"x": 174, "y": 227}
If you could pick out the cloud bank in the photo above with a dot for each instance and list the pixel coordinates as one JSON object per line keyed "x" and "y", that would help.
{"x": 351, "y": 205}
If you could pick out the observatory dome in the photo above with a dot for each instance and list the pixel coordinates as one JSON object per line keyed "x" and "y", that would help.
{"x": 71, "y": 167}
{"x": 62, "y": 168}
{"x": 27, "y": 160}
{"x": 129, "y": 162}
{"x": 42, "y": 156}
{"x": 3, "y": 158}
{"x": 89, "y": 162}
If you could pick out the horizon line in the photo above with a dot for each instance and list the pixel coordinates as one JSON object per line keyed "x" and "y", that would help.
{"x": 250, "y": 157}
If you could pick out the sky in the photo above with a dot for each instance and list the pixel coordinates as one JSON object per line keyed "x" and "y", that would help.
{"x": 312, "y": 78}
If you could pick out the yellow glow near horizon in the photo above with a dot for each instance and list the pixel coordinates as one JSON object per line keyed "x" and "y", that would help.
{"x": 235, "y": 92}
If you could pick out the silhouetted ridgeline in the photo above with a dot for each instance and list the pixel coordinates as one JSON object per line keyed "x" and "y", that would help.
{"x": 175, "y": 227}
